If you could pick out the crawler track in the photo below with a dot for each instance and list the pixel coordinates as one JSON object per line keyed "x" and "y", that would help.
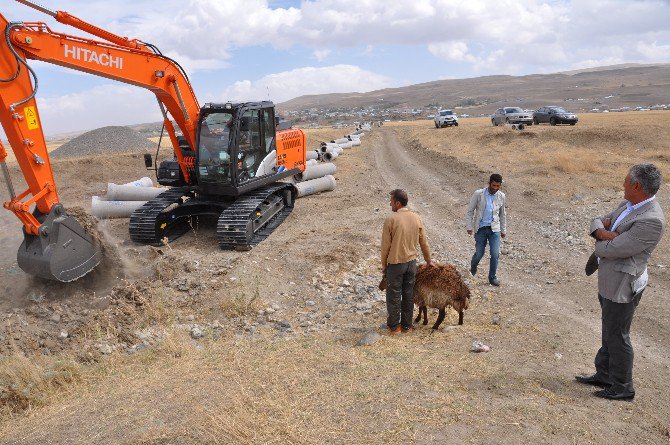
{"x": 150, "y": 224}
{"x": 253, "y": 217}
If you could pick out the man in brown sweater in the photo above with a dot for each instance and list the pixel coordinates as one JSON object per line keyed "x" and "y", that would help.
{"x": 403, "y": 230}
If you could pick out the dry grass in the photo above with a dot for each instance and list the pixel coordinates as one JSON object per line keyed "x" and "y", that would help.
{"x": 302, "y": 390}
{"x": 28, "y": 383}
{"x": 597, "y": 151}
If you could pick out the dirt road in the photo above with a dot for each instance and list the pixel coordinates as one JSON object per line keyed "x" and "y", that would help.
{"x": 544, "y": 286}
{"x": 279, "y": 361}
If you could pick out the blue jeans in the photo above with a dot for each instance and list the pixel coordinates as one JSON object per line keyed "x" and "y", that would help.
{"x": 484, "y": 235}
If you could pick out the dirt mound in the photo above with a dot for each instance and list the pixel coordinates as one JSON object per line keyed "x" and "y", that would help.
{"x": 505, "y": 136}
{"x": 104, "y": 140}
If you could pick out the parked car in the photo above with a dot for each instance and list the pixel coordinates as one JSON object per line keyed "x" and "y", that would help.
{"x": 553, "y": 116}
{"x": 445, "y": 118}
{"x": 511, "y": 115}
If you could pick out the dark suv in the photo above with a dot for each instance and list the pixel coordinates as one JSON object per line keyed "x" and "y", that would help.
{"x": 554, "y": 116}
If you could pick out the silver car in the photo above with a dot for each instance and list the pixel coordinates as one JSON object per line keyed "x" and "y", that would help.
{"x": 511, "y": 115}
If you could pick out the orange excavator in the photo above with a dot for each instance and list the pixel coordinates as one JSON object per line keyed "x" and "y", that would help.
{"x": 221, "y": 150}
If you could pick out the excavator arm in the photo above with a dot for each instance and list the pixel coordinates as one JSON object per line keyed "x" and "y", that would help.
{"x": 55, "y": 245}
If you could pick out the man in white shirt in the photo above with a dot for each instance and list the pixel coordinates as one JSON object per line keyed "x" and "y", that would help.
{"x": 486, "y": 214}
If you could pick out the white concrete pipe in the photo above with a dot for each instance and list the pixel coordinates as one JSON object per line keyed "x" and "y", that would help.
{"x": 101, "y": 208}
{"x": 311, "y": 162}
{"x": 326, "y": 145}
{"x": 332, "y": 148}
{"x": 131, "y": 193}
{"x": 340, "y": 140}
{"x": 356, "y": 142}
{"x": 268, "y": 164}
{"x": 515, "y": 126}
{"x": 312, "y": 154}
{"x": 329, "y": 155}
{"x": 324, "y": 184}
{"x": 142, "y": 182}
{"x": 317, "y": 171}
{"x": 347, "y": 145}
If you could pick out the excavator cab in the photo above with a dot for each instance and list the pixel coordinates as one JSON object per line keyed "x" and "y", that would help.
{"x": 236, "y": 148}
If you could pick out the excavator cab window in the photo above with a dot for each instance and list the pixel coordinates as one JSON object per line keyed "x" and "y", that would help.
{"x": 269, "y": 129}
{"x": 214, "y": 147}
{"x": 251, "y": 149}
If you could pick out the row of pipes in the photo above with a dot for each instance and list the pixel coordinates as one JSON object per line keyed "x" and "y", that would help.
{"x": 319, "y": 170}
{"x": 121, "y": 200}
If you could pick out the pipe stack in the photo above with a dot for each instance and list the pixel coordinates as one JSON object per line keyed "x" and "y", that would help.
{"x": 318, "y": 175}
{"x": 122, "y": 200}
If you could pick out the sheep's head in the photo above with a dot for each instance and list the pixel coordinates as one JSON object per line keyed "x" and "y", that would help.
{"x": 461, "y": 301}
{"x": 382, "y": 283}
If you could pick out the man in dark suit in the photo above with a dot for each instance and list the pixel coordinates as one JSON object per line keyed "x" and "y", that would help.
{"x": 625, "y": 239}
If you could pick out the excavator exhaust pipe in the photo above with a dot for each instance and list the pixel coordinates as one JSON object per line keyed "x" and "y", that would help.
{"x": 62, "y": 251}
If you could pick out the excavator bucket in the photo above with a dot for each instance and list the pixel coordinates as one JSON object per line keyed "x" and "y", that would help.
{"x": 62, "y": 251}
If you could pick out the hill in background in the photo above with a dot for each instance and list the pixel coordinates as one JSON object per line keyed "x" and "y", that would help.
{"x": 606, "y": 88}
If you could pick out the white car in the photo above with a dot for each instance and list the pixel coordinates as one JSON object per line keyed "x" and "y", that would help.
{"x": 445, "y": 118}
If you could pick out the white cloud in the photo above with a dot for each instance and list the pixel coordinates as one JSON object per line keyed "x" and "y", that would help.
{"x": 286, "y": 85}
{"x": 97, "y": 107}
{"x": 321, "y": 54}
{"x": 654, "y": 52}
{"x": 457, "y": 51}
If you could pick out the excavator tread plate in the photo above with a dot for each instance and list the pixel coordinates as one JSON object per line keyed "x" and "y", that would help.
{"x": 233, "y": 225}
{"x": 144, "y": 227}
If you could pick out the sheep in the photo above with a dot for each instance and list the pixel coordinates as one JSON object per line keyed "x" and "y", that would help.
{"x": 438, "y": 287}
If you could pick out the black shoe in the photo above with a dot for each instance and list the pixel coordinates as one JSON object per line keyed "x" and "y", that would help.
{"x": 591, "y": 265}
{"x": 612, "y": 395}
{"x": 494, "y": 282}
{"x": 473, "y": 270}
{"x": 591, "y": 380}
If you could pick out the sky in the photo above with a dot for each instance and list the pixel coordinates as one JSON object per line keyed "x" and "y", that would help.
{"x": 280, "y": 49}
